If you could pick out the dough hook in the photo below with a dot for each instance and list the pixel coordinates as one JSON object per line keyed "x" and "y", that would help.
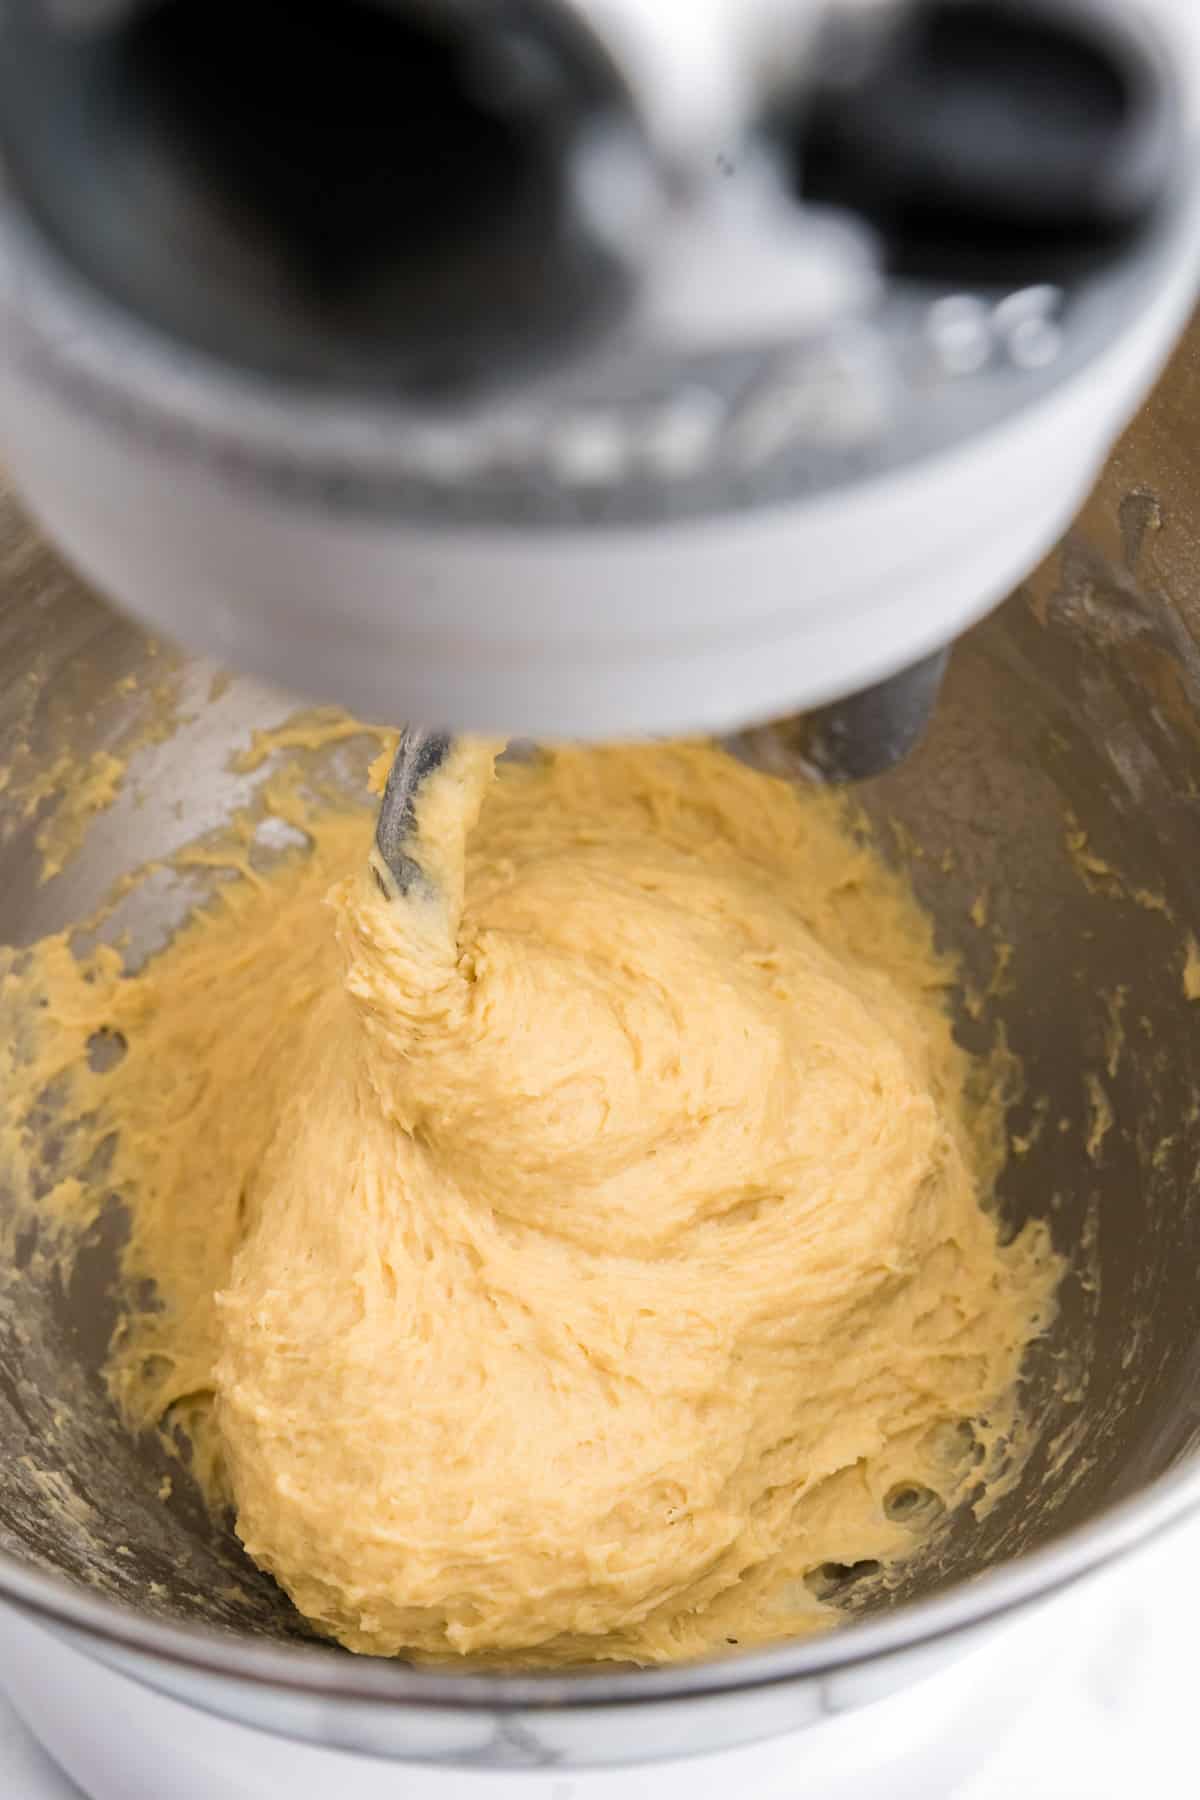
{"x": 418, "y": 754}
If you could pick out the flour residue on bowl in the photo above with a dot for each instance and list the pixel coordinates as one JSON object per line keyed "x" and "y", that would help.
{"x": 43, "y": 776}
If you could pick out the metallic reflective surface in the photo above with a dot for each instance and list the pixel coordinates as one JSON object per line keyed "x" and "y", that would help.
{"x": 853, "y": 739}
{"x": 1051, "y": 820}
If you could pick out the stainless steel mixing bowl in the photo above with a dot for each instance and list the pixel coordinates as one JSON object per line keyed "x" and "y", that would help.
{"x": 1062, "y": 781}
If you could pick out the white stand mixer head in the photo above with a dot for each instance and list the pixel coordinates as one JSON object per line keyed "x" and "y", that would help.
{"x": 694, "y": 515}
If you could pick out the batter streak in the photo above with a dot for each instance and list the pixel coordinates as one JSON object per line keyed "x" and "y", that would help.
{"x": 601, "y": 1261}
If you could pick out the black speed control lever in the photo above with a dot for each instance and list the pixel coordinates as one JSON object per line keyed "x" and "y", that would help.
{"x": 996, "y": 139}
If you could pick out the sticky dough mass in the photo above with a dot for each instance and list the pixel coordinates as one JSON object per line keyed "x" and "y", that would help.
{"x": 596, "y": 1235}
{"x": 621, "y": 1236}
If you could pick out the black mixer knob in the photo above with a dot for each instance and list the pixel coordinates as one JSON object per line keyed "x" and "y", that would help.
{"x": 995, "y": 139}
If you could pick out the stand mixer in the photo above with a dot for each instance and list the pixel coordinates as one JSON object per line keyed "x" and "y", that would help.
{"x": 584, "y": 369}
{"x": 589, "y": 368}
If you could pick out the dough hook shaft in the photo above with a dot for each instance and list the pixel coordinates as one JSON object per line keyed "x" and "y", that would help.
{"x": 418, "y": 754}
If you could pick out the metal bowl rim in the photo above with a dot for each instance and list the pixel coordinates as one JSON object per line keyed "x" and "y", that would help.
{"x": 331, "y": 1675}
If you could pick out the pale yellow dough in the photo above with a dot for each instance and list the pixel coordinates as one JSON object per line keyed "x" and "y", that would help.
{"x": 598, "y": 1236}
